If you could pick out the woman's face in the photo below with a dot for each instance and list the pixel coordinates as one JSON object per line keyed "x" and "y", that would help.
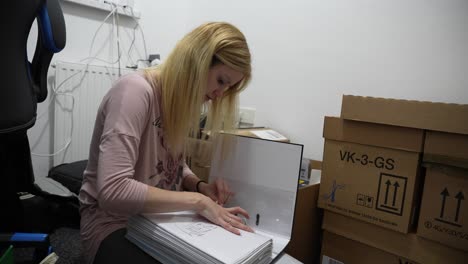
{"x": 221, "y": 78}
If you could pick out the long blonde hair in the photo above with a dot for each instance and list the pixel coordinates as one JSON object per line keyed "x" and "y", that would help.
{"x": 183, "y": 81}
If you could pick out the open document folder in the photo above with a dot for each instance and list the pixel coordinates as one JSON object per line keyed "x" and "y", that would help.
{"x": 263, "y": 176}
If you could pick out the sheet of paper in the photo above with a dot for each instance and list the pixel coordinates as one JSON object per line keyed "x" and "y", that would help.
{"x": 269, "y": 134}
{"x": 212, "y": 239}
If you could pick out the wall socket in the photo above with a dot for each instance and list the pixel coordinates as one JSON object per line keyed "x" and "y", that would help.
{"x": 247, "y": 115}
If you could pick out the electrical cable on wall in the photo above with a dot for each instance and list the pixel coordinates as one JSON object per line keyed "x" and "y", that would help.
{"x": 56, "y": 88}
{"x": 118, "y": 40}
{"x": 137, "y": 25}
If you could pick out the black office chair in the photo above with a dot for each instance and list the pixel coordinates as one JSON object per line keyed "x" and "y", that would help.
{"x": 23, "y": 85}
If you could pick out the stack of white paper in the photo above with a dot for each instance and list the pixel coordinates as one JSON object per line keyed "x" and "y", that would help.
{"x": 185, "y": 237}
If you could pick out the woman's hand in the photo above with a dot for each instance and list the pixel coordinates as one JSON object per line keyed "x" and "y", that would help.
{"x": 218, "y": 191}
{"x": 225, "y": 217}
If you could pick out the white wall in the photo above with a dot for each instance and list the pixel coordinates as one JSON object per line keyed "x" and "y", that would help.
{"x": 308, "y": 53}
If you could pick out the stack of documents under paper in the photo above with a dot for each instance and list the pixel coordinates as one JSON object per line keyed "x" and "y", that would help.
{"x": 185, "y": 237}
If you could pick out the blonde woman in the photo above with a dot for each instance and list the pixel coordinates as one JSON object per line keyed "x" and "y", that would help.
{"x": 136, "y": 161}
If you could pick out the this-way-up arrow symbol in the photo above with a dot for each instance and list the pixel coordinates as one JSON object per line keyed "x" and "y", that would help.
{"x": 444, "y": 194}
{"x": 396, "y": 185}
{"x": 459, "y": 197}
{"x": 388, "y": 183}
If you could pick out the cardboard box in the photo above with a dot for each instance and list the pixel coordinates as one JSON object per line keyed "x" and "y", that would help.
{"x": 408, "y": 246}
{"x": 340, "y": 250}
{"x": 416, "y": 114}
{"x": 305, "y": 239}
{"x": 446, "y": 148}
{"x": 371, "y": 172}
{"x": 444, "y": 212}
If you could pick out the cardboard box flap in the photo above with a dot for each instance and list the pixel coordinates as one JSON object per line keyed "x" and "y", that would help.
{"x": 416, "y": 114}
{"x": 446, "y": 148}
{"x": 394, "y": 137}
{"x": 305, "y": 241}
{"x": 446, "y": 170}
{"x": 409, "y": 246}
{"x": 337, "y": 249}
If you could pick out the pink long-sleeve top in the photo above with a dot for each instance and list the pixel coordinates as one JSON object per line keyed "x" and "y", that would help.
{"x": 127, "y": 154}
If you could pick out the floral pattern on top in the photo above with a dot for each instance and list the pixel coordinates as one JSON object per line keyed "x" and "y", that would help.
{"x": 169, "y": 169}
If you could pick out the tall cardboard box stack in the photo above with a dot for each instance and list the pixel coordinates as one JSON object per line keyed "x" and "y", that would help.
{"x": 384, "y": 160}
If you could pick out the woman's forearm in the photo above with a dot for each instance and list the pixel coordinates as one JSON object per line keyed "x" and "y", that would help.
{"x": 190, "y": 183}
{"x": 160, "y": 201}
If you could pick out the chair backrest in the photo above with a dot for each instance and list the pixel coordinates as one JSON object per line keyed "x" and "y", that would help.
{"x": 25, "y": 84}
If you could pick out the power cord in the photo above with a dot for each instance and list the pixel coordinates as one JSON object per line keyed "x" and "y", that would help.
{"x": 56, "y": 89}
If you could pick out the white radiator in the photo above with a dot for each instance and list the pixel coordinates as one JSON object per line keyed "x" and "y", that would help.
{"x": 79, "y": 95}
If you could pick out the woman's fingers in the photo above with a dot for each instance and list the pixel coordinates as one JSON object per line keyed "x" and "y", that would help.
{"x": 226, "y": 217}
{"x": 242, "y": 226}
{"x": 229, "y": 226}
{"x": 227, "y": 195}
{"x": 220, "y": 186}
{"x": 236, "y": 218}
{"x": 223, "y": 192}
{"x": 226, "y": 192}
{"x": 237, "y": 210}
{"x": 235, "y": 223}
